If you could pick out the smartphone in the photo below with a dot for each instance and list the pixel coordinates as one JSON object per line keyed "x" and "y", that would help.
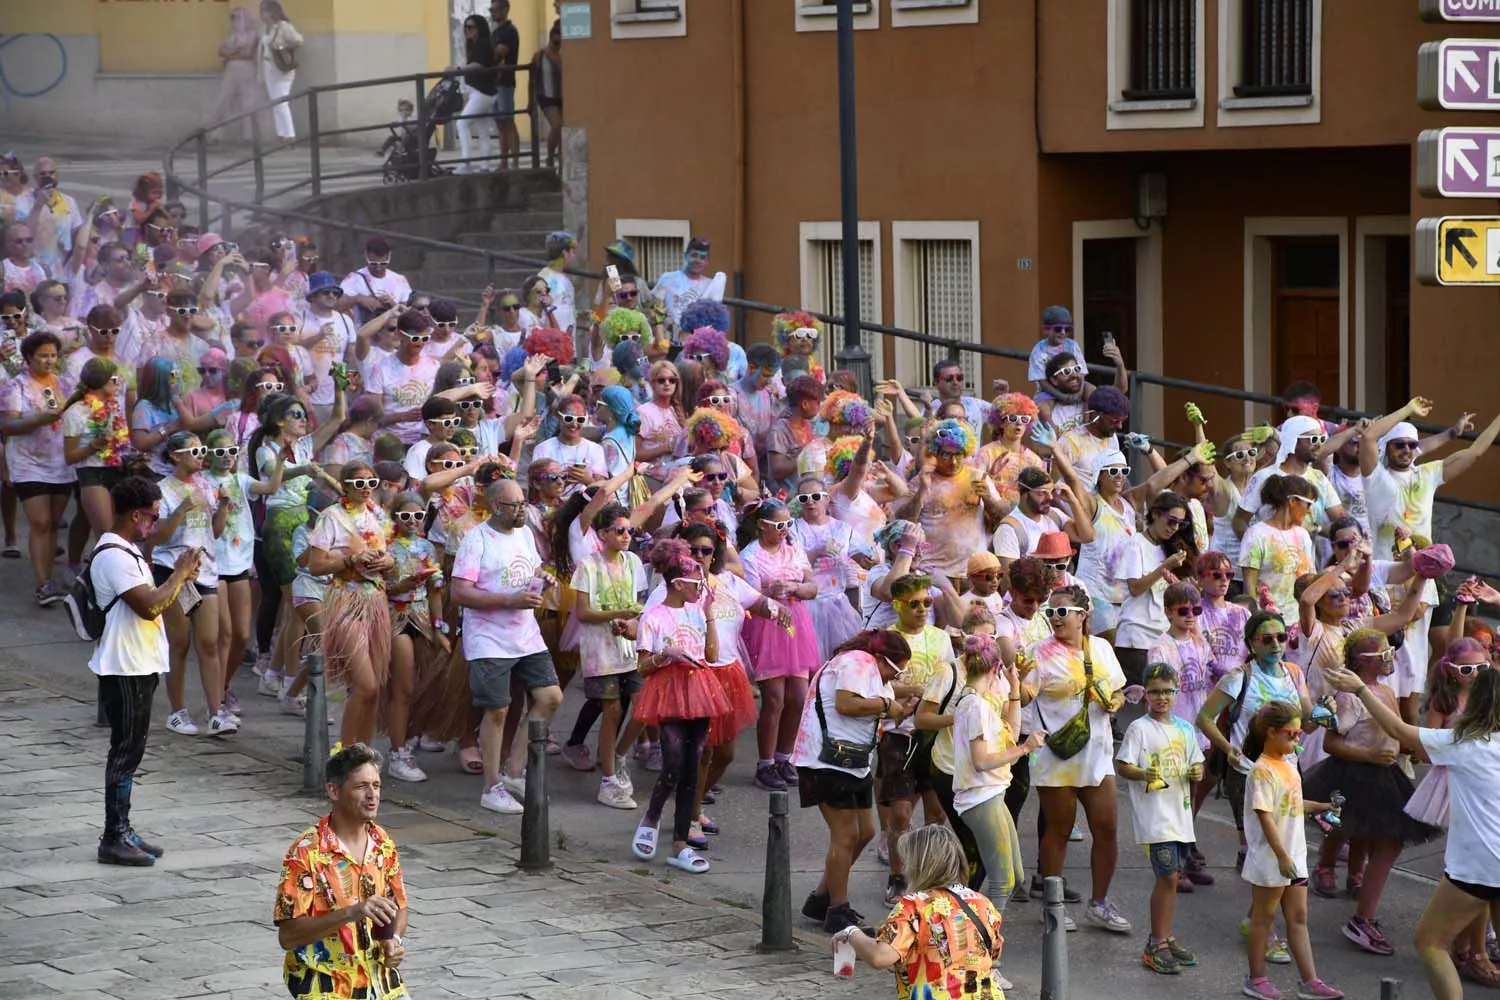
{"x": 1109, "y": 339}
{"x": 613, "y": 275}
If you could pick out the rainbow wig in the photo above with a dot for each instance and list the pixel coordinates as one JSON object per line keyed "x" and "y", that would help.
{"x": 710, "y": 430}
{"x": 841, "y": 457}
{"x": 705, "y": 312}
{"x": 1009, "y": 403}
{"x": 620, "y": 321}
{"x": 707, "y": 340}
{"x": 846, "y": 408}
{"x": 784, "y": 323}
{"x": 890, "y": 533}
{"x": 953, "y": 436}
{"x": 556, "y": 344}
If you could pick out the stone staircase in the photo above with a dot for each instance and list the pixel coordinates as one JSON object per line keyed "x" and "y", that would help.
{"x": 518, "y": 231}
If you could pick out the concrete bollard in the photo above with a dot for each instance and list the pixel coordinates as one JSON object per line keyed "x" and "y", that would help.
{"x": 536, "y": 836}
{"x": 1054, "y": 941}
{"x": 776, "y": 902}
{"x": 315, "y": 728}
{"x": 1390, "y": 989}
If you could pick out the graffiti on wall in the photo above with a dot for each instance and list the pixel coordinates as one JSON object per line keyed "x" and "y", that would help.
{"x": 31, "y": 66}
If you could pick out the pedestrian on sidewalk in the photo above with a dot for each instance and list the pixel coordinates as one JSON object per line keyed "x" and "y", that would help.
{"x": 131, "y": 655}
{"x": 341, "y": 905}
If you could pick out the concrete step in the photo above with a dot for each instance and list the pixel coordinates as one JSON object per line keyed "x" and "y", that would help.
{"x": 530, "y": 242}
{"x": 467, "y": 279}
{"x": 449, "y": 260}
{"x": 529, "y": 221}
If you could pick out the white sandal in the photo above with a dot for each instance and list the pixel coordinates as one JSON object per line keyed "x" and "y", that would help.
{"x": 689, "y": 860}
{"x": 644, "y": 844}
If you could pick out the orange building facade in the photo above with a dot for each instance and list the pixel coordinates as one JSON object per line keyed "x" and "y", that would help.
{"x": 1226, "y": 186}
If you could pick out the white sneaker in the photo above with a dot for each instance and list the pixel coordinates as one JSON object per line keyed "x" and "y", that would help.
{"x": 293, "y": 705}
{"x": 497, "y": 799}
{"x": 882, "y": 850}
{"x": 181, "y": 723}
{"x": 1076, "y": 835}
{"x": 222, "y": 724}
{"x": 516, "y": 786}
{"x": 614, "y": 795}
{"x": 622, "y": 774}
{"x": 429, "y": 745}
{"x": 270, "y": 684}
{"x": 1069, "y": 924}
{"x": 261, "y": 665}
{"x": 403, "y": 768}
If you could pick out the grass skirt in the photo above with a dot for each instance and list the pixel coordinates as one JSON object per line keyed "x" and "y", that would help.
{"x": 774, "y": 652}
{"x": 678, "y": 691}
{"x": 834, "y": 622}
{"x": 440, "y": 707}
{"x": 356, "y": 619}
{"x": 735, "y": 681}
{"x": 1376, "y": 797}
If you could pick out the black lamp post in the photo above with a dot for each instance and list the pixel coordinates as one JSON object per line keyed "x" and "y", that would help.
{"x": 851, "y": 354}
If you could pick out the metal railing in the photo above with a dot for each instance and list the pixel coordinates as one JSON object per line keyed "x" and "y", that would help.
{"x": 423, "y": 165}
{"x": 1163, "y": 37}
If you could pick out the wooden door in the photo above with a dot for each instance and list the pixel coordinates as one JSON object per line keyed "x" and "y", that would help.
{"x": 1305, "y": 333}
{"x": 1397, "y": 321}
{"x": 1109, "y": 299}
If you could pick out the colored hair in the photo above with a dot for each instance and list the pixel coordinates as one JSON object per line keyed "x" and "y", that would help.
{"x": 705, "y": 312}
{"x": 784, "y": 323}
{"x": 710, "y": 430}
{"x": 980, "y": 656}
{"x": 622, "y": 320}
{"x": 1010, "y": 403}
{"x": 1159, "y": 672}
{"x": 847, "y": 408}
{"x": 544, "y": 340}
{"x": 707, "y": 340}
{"x": 841, "y": 457}
{"x": 952, "y": 435}
{"x": 882, "y": 643}
{"x": 912, "y": 583}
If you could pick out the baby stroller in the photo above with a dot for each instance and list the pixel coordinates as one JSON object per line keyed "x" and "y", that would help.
{"x": 403, "y": 150}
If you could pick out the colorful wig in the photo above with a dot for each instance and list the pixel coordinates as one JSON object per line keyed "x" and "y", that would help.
{"x": 556, "y": 344}
{"x": 514, "y": 361}
{"x": 629, "y": 360}
{"x": 705, "y": 312}
{"x": 846, "y": 408}
{"x": 1010, "y": 403}
{"x": 951, "y": 435}
{"x": 710, "y": 387}
{"x": 710, "y": 430}
{"x": 841, "y": 457}
{"x": 707, "y": 340}
{"x": 620, "y": 321}
{"x": 890, "y": 533}
{"x": 784, "y": 323}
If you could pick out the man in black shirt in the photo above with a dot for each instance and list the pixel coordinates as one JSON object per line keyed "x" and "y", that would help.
{"x": 507, "y": 53}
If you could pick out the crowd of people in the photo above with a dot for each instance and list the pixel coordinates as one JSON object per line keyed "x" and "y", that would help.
{"x": 912, "y": 596}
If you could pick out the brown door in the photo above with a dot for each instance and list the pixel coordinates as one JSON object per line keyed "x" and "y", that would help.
{"x": 1305, "y": 332}
{"x": 1108, "y": 298}
{"x": 1397, "y": 321}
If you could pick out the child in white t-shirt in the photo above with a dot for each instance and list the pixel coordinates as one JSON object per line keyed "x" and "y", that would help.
{"x": 1160, "y": 759}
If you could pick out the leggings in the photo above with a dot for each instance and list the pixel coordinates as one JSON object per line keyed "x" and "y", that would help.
{"x": 127, "y": 706}
{"x": 994, "y": 829}
{"x": 589, "y": 714}
{"x": 942, "y": 785}
{"x": 681, "y": 749}
{"x": 270, "y": 601}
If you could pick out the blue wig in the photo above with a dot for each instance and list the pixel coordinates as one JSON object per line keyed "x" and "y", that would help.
{"x": 629, "y": 359}
{"x": 156, "y": 383}
{"x": 514, "y": 361}
{"x": 704, "y": 312}
{"x": 622, "y": 407}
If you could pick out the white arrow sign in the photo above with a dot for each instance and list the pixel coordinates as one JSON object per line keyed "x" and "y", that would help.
{"x": 1458, "y": 68}
{"x": 1457, "y": 156}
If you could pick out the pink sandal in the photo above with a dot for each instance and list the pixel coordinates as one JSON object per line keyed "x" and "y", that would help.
{"x": 471, "y": 760}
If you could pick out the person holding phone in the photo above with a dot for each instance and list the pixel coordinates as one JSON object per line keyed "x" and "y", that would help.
{"x": 31, "y": 410}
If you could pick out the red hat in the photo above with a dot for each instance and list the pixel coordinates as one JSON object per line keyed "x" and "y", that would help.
{"x": 1053, "y": 545}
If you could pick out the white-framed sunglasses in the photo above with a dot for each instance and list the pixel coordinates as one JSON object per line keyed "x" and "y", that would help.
{"x": 196, "y": 451}
{"x": 409, "y": 516}
{"x": 807, "y": 498}
{"x": 720, "y": 400}
{"x": 1061, "y": 611}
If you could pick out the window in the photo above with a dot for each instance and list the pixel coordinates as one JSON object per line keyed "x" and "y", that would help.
{"x": 1270, "y": 62}
{"x": 937, "y": 293}
{"x": 923, "y": 13}
{"x": 1162, "y": 63}
{"x": 648, "y": 18}
{"x": 659, "y": 244}
{"x": 822, "y": 15}
{"x": 1155, "y": 64}
{"x": 823, "y": 287}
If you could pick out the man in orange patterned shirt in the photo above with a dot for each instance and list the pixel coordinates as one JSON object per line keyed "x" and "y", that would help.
{"x": 341, "y": 904}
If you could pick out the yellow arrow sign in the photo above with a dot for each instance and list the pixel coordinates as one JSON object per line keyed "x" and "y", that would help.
{"x": 1459, "y": 250}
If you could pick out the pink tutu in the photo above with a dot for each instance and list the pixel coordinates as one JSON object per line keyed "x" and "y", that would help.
{"x": 775, "y": 652}
{"x": 724, "y": 728}
{"x": 834, "y": 621}
{"x": 1429, "y": 801}
{"x": 678, "y": 691}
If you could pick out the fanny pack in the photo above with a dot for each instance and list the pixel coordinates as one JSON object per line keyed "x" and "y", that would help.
{"x": 1068, "y": 740}
{"x": 837, "y": 752}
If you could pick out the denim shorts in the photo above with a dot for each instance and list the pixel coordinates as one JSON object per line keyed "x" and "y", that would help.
{"x": 489, "y": 679}
{"x": 1168, "y": 858}
{"x": 505, "y": 102}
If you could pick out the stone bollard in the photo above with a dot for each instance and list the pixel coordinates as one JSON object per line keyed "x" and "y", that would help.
{"x": 536, "y": 837}
{"x": 1054, "y": 941}
{"x": 776, "y": 902}
{"x": 315, "y": 729}
{"x": 1390, "y": 989}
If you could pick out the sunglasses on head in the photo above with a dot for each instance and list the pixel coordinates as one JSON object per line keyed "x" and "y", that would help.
{"x": 270, "y": 386}
{"x": 418, "y": 338}
{"x": 1068, "y": 370}
{"x": 409, "y": 516}
{"x": 572, "y": 419}
{"x": 196, "y": 451}
{"x": 284, "y": 328}
{"x": 232, "y": 451}
{"x": 1243, "y": 454}
{"x": 185, "y": 310}
{"x": 259, "y": 265}
{"x": 363, "y": 482}
{"x": 1196, "y": 610}
{"x": 443, "y": 421}
{"x": 1061, "y": 611}
{"x": 815, "y": 497}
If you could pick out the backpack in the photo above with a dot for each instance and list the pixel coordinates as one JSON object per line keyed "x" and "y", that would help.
{"x": 83, "y": 604}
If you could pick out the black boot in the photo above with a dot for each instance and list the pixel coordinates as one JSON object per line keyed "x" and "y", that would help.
{"x": 124, "y": 852}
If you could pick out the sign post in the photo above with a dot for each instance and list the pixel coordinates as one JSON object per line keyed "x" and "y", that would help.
{"x": 1459, "y": 163}
{"x": 1459, "y": 74}
{"x": 1458, "y": 250}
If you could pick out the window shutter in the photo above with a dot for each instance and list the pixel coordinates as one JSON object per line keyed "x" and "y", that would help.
{"x": 827, "y": 293}
{"x": 942, "y": 280}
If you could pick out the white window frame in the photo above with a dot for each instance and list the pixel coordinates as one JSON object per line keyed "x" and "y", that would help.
{"x": 822, "y": 15}
{"x": 928, "y": 13}
{"x": 1366, "y": 285}
{"x": 868, "y": 232}
{"x": 1258, "y": 288}
{"x": 1248, "y": 111}
{"x": 647, "y": 19}
{"x": 630, "y": 229}
{"x": 908, "y": 354}
{"x": 1121, "y": 114}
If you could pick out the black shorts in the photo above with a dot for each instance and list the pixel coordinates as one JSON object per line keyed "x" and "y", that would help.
{"x": 100, "y": 477}
{"x": 1486, "y": 893}
{"x": 827, "y": 786}
{"x": 236, "y": 577}
{"x": 30, "y": 491}
{"x": 163, "y": 573}
{"x": 897, "y": 780}
{"x": 489, "y": 678}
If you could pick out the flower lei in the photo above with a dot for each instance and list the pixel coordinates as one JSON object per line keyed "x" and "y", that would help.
{"x": 106, "y": 424}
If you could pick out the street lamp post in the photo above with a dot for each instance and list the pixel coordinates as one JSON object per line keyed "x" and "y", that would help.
{"x": 851, "y": 355}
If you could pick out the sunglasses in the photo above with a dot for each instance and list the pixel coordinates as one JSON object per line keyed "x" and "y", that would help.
{"x": 296, "y": 414}
{"x": 259, "y": 265}
{"x": 1056, "y": 564}
{"x": 665, "y": 380}
{"x": 270, "y": 386}
{"x": 1404, "y": 445}
{"x": 701, "y": 357}
{"x": 510, "y": 307}
{"x": 1307, "y": 500}
{"x": 955, "y": 377}
{"x": 378, "y": 263}
{"x": 811, "y": 335}
{"x": 917, "y": 602}
{"x": 1272, "y": 639}
{"x": 313, "y": 259}
{"x": 624, "y": 296}
{"x": 1059, "y": 613}
{"x": 701, "y": 551}
{"x": 196, "y": 451}
{"x": 409, "y": 516}
{"x": 1020, "y": 419}
{"x": 1243, "y": 454}
{"x": 448, "y": 463}
{"x": 1314, "y": 439}
{"x": 1385, "y": 655}
{"x": 1341, "y": 594}
{"x": 634, "y": 338}
{"x": 231, "y": 451}
{"x": 720, "y": 400}
{"x": 619, "y": 530}
{"x": 1059, "y": 328}
{"x": 447, "y": 325}
{"x": 101, "y": 331}
{"x": 363, "y": 483}
{"x": 1196, "y": 610}
{"x": 185, "y": 310}
{"x": 1468, "y": 669}
{"x": 463, "y": 381}
{"x": 1174, "y": 522}
{"x": 418, "y": 338}
{"x": 114, "y": 380}
{"x": 782, "y": 526}
{"x": 254, "y": 343}
{"x": 206, "y": 372}
{"x": 807, "y": 498}
{"x": 550, "y": 477}
{"x": 1115, "y": 471}
{"x": 572, "y": 420}
{"x": 443, "y": 421}
{"x": 49, "y": 397}
{"x": 284, "y": 328}
{"x": 1068, "y": 370}
{"x": 160, "y": 229}
{"x": 471, "y": 404}
{"x": 1160, "y": 692}
{"x": 468, "y": 452}
{"x": 1218, "y": 574}
{"x": 514, "y": 505}
{"x": 716, "y": 477}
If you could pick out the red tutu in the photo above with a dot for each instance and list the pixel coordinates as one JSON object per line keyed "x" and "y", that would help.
{"x": 678, "y": 691}
{"x": 735, "y": 681}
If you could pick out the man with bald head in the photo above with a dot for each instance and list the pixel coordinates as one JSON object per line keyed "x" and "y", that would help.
{"x": 62, "y": 217}
{"x": 497, "y": 581}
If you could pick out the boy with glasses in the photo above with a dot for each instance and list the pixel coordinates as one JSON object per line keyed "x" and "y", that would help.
{"x": 1057, "y": 338}
{"x": 404, "y": 378}
{"x": 440, "y": 418}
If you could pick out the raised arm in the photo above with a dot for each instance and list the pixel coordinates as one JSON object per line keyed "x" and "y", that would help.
{"x": 1369, "y": 441}
{"x": 1456, "y": 465}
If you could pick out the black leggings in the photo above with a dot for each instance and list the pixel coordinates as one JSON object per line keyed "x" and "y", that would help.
{"x": 942, "y": 784}
{"x": 589, "y": 714}
{"x": 270, "y": 600}
{"x": 681, "y": 749}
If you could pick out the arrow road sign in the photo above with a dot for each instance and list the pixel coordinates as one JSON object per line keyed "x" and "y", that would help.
{"x": 1463, "y": 250}
{"x": 1459, "y": 74}
{"x": 1459, "y": 163}
{"x": 1460, "y": 10}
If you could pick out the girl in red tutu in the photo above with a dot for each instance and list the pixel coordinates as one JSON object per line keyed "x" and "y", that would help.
{"x": 676, "y": 643}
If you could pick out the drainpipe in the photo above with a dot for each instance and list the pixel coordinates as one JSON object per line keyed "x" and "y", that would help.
{"x": 737, "y": 61}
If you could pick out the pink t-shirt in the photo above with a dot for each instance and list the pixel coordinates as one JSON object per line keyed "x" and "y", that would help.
{"x": 495, "y": 561}
{"x": 36, "y": 456}
{"x": 659, "y": 425}
{"x": 267, "y": 304}
{"x": 786, "y": 563}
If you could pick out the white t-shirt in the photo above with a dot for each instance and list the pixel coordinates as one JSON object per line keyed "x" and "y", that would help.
{"x": 361, "y": 283}
{"x": 235, "y": 548}
{"x": 584, "y": 452}
{"x": 1326, "y": 496}
{"x": 677, "y": 290}
{"x": 131, "y": 646}
{"x": 1007, "y": 539}
{"x": 196, "y": 529}
{"x": 1164, "y": 816}
{"x": 403, "y": 387}
{"x": 561, "y": 287}
{"x": 415, "y": 462}
{"x": 493, "y": 561}
{"x": 1059, "y": 676}
{"x": 614, "y": 587}
{"x": 1143, "y": 620}
{"x": 319, "y": 358}
{"x": 857, "y": 673}
{"x": 975, "y": 717}
{"x": 1393, "y": 498}
{"x": 1351, "y": 491}
{"x": 1472, "y": 853}
{"x": 1274, "y": 787}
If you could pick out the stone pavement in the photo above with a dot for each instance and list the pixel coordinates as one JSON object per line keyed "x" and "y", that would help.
{"x": 199, "y": 923}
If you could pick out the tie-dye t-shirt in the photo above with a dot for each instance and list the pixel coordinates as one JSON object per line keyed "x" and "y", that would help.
{"x": 1084, "y": 450}
{"x": 1280, "y": 556}
{"x": 1224, "y": 627}
{"x": 1099, "y": 560}
{"x": 1056, "y": 670}
{"x": 1193, "y": 659}
{"x": 1404, "y": 498}
{"x": 952, "y": 518}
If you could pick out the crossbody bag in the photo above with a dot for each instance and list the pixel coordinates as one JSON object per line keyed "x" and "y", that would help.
{"x": 837, "y": 752}
{"x": 1070, "y": 739}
